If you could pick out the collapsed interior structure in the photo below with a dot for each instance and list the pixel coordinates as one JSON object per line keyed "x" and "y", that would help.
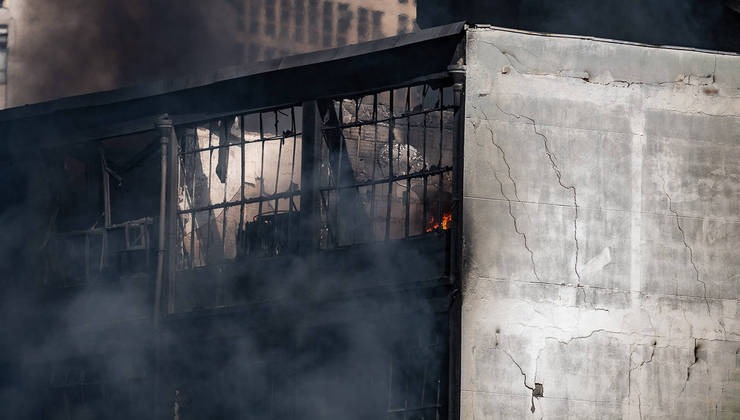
{"x": 297, "y": 239}
{"x": 273, "y": 242}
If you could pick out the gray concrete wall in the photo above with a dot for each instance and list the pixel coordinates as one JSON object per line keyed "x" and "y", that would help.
{"x": 601, "y": 230}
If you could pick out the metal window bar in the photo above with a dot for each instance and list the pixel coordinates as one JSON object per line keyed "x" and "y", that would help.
{"x": 423, "y": 368}
{"x": 424, "y": 206}
{"x": 388, "y": 209}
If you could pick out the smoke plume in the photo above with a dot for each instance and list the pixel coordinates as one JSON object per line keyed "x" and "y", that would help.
{"x": 72, "y": 47}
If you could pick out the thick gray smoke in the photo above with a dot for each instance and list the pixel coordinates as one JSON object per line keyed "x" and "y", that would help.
{"x": 299, "y": 346}
{"x": 328, "y": 337}
{"x": 79, "y": 46}
{"x": 708, "y": 24}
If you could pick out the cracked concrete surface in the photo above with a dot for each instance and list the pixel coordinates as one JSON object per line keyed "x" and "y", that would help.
{"x": 602, "y": 236}
{"x": 559, "y": 176}
{"x": 688, "y": 247}
{"x": 509, "y": 201}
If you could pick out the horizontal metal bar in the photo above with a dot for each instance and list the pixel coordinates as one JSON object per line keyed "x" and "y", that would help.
{"x": 417, "y": 81}
{"x": 239, "y": 143}
{"x": 389, "y": 119}
{"x": 401, "y": 410}
{"x": 421, "y": 174}
{"x": 137, "y": 222}
{"x": 286, "y": 194}
{"x": 249, "y": 111}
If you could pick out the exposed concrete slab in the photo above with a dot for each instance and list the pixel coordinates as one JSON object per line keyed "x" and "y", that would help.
{"x": 602, "y": 230}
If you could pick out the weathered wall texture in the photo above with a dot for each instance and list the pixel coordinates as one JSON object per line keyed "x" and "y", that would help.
{"x": 602, "y": 230}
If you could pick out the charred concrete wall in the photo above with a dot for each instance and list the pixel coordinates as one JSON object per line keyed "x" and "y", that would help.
{"x": 601, "y": 230}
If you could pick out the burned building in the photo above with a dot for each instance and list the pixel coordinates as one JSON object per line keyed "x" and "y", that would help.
{"x": 461, "y": 222}
{"x": 274, "y": 244}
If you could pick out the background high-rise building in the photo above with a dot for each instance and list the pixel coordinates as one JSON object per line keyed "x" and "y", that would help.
{"x": 79, "y": 46}
{"x": 4, "y": 30}
{"x": 281, "y": 27}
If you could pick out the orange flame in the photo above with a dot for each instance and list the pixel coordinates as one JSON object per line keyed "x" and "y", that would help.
{"x": 433, "y": 225}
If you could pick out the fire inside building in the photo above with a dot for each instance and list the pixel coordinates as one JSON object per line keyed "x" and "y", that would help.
{"x": 460, "y": 222}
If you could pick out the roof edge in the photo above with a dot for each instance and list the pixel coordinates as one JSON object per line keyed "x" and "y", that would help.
{"x": 193, "y": 81}
{"x": 596, "y": 39}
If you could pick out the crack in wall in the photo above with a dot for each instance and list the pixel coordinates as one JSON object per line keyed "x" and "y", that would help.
{"x": 687, "y": 246}
{"x": 506, "y": 197}
{"x": 524, "y": 375}
{"x": 629, "y": 373}
{"x": 508, "y": 57}
{"x": 559, "y": 176}
{"x": 688, "y": 369}
{"x": 585, "y": 299}
{"x": 503, "y": 154}
{"x": 580, "y": 337}
{"x": 532, "y": 409}
{"x": 520, "y": 369}
{"x": 586, "y": 76}
{"x": 503, "y": 157}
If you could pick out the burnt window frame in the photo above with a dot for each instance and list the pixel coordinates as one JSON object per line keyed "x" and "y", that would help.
{"x": 446, "y": 105}
{"x": 187, "y": 261}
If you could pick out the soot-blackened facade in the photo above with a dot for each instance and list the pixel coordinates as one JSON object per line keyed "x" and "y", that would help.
{"x": 271, "y": 242}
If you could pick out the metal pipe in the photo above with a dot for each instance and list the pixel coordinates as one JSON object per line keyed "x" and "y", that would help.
{"x": 173, "y": 200}
{"x": 164, "y": 125}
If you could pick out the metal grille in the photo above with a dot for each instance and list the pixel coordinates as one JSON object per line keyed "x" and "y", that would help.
{"x": 387, "y": 165}
{"x": 239, "y": 187}
{"x": 415, "y": 382}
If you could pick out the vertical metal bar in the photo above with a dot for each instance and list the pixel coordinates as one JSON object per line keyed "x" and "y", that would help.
{"x": 262, "y": 166}
{"x": 182, "y": 186}
{"x": 408, "y": 163}
{"x": 358, "y": 103}
{"x": 310, "y": 178}
{"x": 338, "y": 178}
{"x": 196, "y": 156}
{"x": 243, "y": 158}
{"x": 277, "y": 178}
{"x": 173, "y": 174}
{"x": 192, "y": 239}
{"x": 439, "y": 163}
{"x": 210, "y": 211}
{"x": 291, "y": 204}
{"x": 226, "y": 149}
{"x": 375, "y": 160}
{"x": 424, "y": 161}
{"x": 106, "y": 188}
{"x": 293, "y": 129}
{"x": 164, "y": 124}
{"x": 391, "y": 125}
{"x": 226, "y": 133}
